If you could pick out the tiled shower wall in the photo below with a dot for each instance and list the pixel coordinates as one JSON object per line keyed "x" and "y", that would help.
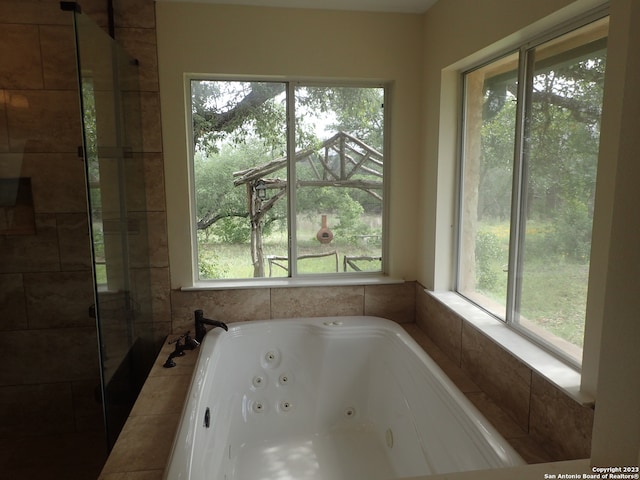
{"x": 47, "y": 340}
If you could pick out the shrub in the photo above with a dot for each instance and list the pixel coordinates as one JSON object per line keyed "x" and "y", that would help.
{"x": 209, "y": 266}
{"x": 571, "y": 233}
{"x": 488, "y": 253}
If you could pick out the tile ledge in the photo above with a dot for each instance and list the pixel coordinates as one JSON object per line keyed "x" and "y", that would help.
{"x": 323, "y": 281}
{"x": 560, "y": 374}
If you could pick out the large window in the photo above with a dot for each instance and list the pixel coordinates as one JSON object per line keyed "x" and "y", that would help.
{"x": 530, "y": 150}
{"x": 287, "y": 178}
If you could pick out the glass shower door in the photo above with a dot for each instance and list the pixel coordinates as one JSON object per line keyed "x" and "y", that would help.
{"x": 113, "y": 157}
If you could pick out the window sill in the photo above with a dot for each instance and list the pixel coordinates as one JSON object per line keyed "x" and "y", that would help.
{"x": 315, "y": 281}
{"x": 562, "y": 375}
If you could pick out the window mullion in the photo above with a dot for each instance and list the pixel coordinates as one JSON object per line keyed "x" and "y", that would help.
{"x": 518, "y": 199}
{"x": 292, "y": 180}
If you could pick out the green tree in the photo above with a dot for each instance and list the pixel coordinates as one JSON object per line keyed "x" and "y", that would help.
{"x": 237, "y": 125}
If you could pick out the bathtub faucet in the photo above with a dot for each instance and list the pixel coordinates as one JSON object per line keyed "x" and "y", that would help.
{"x": 201, "y": 322}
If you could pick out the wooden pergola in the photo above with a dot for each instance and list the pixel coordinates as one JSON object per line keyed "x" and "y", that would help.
{"x": 341, "y": 161}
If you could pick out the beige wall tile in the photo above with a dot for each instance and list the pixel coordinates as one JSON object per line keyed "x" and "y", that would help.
{"x": 163, "y": 394}
{"x": 504, "y": 378}
{"x": 448, "y": 366}
{"x": 317, "y": 301}
{"x": 87, "y": 405}
{"x": 135, "y": 13}
{"x": 58, "y": 48}
{"x": 13, "y": 311}
{"x": 148, "y": 240}
{"x": 157, "y": 239}
{"x": 151, "y": 122}
{"x": 36, "y": 12}
{"x": 145, "y": 182}
{"x": 237, "y": 305}
{"x": 96, "y": 10}
{"x": 45, "y": 408}
{"x": 151, "y": 293}
{"x": 47, "y": 358}
{"x": 395, "y": 302}
{"x": 59, "y": 299}
{"x": 150, "y": 434}
{"x": 4, "y": 132}
{"x": 560, "y": 423}
{"x": 136, "y": 183}
{"x": 31, "y": 253}
{"x": 441, "y": 324}
{"x": 57, "y": 182}
{"x": 53, "y": 456}
{"x": 20, "y": 53}
{"x": 154, "y": 182}
{"x": 134, "y": 121}
{"x": 44, "y": 121}
{"x": 498, "y": 418}
{"x": 530, "y": 449}
{"x": 74, "y": 241}
{"x": 11, "y": 164}
{"x": 140, "y": 43}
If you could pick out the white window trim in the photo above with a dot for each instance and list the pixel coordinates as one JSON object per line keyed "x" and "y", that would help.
{"x": 294, "y": 280}
{"x": 442, "y": 285}
{"x": 316, "y": 281}
{"x": 523, "y": 48}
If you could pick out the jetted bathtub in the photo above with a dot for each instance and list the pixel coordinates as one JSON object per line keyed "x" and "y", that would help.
{"x": 331, "y": 398}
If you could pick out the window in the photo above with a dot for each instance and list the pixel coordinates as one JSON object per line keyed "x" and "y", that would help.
{"x": 287, "y": 178}
{"x": 529, "y": 160}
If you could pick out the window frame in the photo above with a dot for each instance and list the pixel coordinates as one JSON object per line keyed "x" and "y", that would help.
{"x": 293, "y": 278}
{"x": 516, "y": 223}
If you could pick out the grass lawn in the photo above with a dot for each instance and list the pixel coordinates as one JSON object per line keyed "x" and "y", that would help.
{"x": 226, "y": 260}
{"x": 554, "y": 287}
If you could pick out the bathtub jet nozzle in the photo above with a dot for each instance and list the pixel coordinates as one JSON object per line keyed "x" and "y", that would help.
{"x": 200, "y": 322}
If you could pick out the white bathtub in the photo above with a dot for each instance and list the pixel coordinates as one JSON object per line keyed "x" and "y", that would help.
{"x": 326, "y": 399}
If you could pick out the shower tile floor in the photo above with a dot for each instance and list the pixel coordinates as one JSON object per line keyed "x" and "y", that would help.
{"x": 64, "y": 456}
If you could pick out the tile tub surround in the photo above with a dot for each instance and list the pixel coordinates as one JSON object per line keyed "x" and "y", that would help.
{"x": 539, "y": 408}
{"x": 395, "y": 302}
{"x": 144, "y": 445}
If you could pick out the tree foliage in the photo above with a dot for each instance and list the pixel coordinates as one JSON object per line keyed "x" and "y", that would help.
{"x": 238, "y": 125}
{"x": 562, "y": 131}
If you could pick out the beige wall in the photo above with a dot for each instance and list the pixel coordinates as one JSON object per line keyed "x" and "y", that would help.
{"x": 617, "y": 422}
{"x": 292, "y": 43}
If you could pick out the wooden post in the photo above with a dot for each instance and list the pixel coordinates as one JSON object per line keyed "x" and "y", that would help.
{"x": 257, "y": 252}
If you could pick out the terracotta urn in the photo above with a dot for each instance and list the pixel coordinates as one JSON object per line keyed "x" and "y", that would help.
{"x": 324, "y": 235}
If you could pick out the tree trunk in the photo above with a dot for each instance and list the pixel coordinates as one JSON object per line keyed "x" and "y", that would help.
{"x": 257, "y": 252}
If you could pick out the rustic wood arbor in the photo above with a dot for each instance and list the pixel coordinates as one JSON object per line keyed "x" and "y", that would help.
{"x": 341, "y": 161}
